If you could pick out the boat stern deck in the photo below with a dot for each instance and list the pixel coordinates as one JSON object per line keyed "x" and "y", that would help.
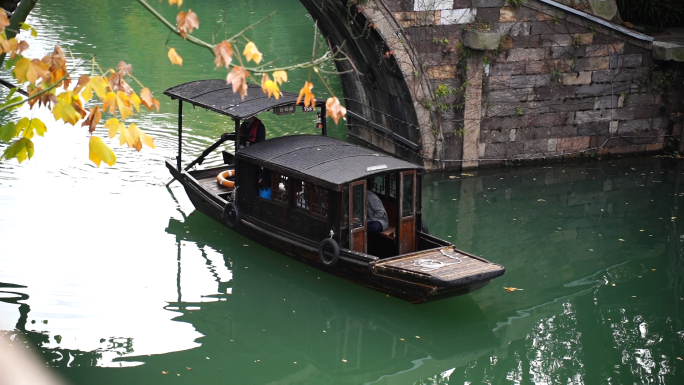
{"x": 444, "y": 267}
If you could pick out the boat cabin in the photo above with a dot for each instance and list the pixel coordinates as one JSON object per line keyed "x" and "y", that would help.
{"x": 319, "y": 184}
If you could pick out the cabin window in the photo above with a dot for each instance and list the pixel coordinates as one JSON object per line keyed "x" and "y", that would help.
{"x": 319, "y": 200}
{"x": 407, "y": 196}
{"x": 280, "y": 189}
{"x": 378, "y": 186}
{"x": 264, "y": 184}
{"x": 358, "y": 206}
{"x": 302, "y": 190}
{"x": 393, "y": 185}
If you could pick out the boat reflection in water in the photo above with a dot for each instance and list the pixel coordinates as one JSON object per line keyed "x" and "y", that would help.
{"x": 298, "y": 327}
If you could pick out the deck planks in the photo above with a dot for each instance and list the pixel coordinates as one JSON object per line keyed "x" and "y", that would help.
{"x": 212, "y": 185}
{"x": 468, "y": 266}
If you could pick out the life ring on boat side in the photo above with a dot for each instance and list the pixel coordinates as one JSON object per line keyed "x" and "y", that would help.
{"x": 231, "y": 215}
{"x": 329, "y": 252}
{"x": 222, "y": 178}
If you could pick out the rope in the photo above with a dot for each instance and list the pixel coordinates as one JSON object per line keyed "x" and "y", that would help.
{"x": 432, "y": 264}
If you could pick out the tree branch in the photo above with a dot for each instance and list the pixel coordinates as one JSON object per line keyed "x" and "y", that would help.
{"x": 202, "y": 43}
{"x": 18, "y": 17}
{"x": 173, "y": 28}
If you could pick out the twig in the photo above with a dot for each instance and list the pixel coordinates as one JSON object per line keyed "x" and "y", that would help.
{"x": 202, "y": 43}
{"x": 10, "y": 86}
{"x": 251, "y": 26}
{"x": 173, "y": 28}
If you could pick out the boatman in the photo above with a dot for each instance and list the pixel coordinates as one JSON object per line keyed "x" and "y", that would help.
{"x": 376, "y": 216}
{"x": 252, "y": 131}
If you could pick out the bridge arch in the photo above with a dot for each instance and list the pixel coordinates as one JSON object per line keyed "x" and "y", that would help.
{"x": 382, "y": 88}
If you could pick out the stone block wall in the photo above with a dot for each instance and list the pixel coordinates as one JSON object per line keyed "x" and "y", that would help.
{"x": 565, "y": 86}
{"x": 560, "y": 84}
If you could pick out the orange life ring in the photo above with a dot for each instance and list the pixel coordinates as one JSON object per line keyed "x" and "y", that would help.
{"x": 222, "y": 178}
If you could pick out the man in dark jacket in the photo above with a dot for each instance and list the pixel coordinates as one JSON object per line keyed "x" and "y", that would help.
{"x": 376, "y": 216}
{"x": 252, "y": 131}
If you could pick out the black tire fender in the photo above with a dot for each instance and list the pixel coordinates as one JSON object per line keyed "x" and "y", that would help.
{"x": 329, "y": 252}
{"x": 231, "y": 215}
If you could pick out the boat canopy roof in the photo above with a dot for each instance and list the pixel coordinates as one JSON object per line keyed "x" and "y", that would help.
{"x": 322, "y": 160}
{"x": 218, "y": 96}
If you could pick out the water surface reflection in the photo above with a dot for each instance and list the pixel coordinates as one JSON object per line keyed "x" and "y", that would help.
{"x": 596, "y": 248}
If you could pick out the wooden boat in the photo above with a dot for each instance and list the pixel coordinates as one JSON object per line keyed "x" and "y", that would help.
{"x": 317, "y": 207}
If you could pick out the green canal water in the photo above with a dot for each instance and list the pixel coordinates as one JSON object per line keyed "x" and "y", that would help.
{"x": 114, "y": 279}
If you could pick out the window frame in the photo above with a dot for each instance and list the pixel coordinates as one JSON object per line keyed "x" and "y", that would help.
{"x": 276, "y": 179}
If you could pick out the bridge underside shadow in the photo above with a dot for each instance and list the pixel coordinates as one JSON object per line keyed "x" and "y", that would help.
{"x": 373, "y": 81}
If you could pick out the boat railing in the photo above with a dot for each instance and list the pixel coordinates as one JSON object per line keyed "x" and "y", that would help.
{"x": 384, "y": 130}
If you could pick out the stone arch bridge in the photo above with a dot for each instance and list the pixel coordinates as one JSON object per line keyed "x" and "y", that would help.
{"x": 469, "y": 83}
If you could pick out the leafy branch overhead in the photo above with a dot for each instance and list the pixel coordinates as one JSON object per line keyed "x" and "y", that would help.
{"x": 226, "y": 54}
{"x": 50, "y": 85}
{"x": 108, "y": 94}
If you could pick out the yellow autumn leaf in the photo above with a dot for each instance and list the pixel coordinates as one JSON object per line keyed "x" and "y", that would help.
{"x": 112, "y": 124}
{"x": 110, "y": 103}
{"x": 118, "y": 100}
{"x": 238, "y": 78}
{"x": 252, "y": 53}
{"x": 280, "y": 77}
{"x": 148, "y": 100}
{"x": 334, "y": 109}
{"x": 224, "y": 54}
{"x": 4, "y": 20}
{"x": 31, "y": 127}
{"x": 36, "y": 69}
{"x": 179, "y": 2}
{"x": 21, "y": 149}
{"x": 20, "y": 69}
{"x": 139, "y": 138}
{"x": 125, "y": 136}
{"x": 511, "y": 289}
{"x": 135, "y": 101}
{"x": 17, "y": 47}
{"x": 186, "y": 22}
{"x": 147, "y": 140}
{"x": 93, "y": 118}
{"x": 39, "y": 126}
{"x": 116, "y": 127}
{"x": 271, "y": 88}
{"x": 97, "y": 84}
{"x": 123, "y": 102}
{"x": 100, "y": 152}
{"x": 309, "y": 98}
{"x": 65, "y": 109}
{"x": 174, "y": 57}
{"x": 4, "y": 45}
{"x": 8, "y": 131}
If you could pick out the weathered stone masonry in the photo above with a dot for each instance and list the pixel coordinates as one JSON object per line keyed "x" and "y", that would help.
{"x": 561, "y": 83}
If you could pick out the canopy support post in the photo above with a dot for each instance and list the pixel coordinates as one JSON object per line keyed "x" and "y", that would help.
{"x": 180, "y": 133}
{"x": 237, "y": 135}
{"x": 324, "y": 126}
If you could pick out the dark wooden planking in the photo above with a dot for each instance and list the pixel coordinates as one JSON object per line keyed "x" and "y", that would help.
{"x": 211, "y": 185}
{"x": 468, "y": 266}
